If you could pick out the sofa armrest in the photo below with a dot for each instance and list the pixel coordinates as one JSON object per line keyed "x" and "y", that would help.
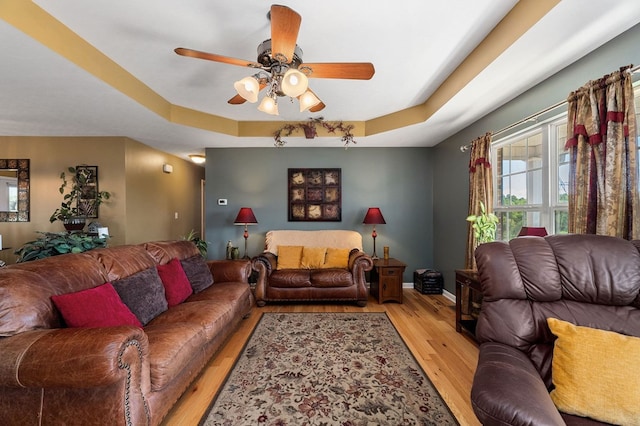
{"x": 263, "y": 264}
{"x": 508, "y": 390}
{"x": 230, "y": 270}
{"x": 359, "y": 264}
{"x": 75, "y": 358}
{"x": 360, "y": 260}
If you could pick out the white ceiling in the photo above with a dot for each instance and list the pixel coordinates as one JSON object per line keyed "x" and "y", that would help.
{"x": 414, "y": 47}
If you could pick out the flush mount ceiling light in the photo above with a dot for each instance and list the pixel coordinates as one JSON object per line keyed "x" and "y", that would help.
{"x": 197, "y": 158}
{"x": 282, "y": 71}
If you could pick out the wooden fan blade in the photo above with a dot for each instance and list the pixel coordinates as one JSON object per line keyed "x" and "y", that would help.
{"x": 239, "y": 100}
{"x": 217, "y": 58}
{"x": 285, "y": 23}
{"x": 318, "y": 107}
{"x": 346, "y": 70}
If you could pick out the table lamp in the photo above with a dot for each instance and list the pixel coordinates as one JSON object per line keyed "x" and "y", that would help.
{"x": 245, "y": 217}
{"x": 374, "y": 217}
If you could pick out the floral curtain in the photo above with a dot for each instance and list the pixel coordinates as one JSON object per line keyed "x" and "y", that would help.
{"x": 602, "y": 141}
{"x": 480, "y": 188}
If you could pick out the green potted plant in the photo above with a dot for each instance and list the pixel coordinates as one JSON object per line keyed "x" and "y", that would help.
{"x": 201, "y": 244}
{"x": 56, "y": 243}
{"x": 484, "y": 225}
{"x": 80, "y": 201}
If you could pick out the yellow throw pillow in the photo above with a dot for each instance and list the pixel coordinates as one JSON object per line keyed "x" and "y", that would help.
{"x": 336, "y": 258}
{"x": 596, "y": 373}
{"x": 289, "y": 257}
{"x": 312, "y": 257}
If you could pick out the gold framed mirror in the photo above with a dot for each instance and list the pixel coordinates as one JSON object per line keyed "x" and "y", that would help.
{"x": 14, "y": 190}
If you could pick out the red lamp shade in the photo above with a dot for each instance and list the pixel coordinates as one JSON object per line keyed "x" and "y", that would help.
{"x": 245, "y": 215}
{"x": 533, "y": 231}
{"x": 373, "y": 217}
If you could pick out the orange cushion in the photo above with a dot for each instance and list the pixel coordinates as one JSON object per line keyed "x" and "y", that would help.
{"x": 336, "y": 258}
{"x": 289, "y": 257}
{"x": 312, "y": 257}
{"x": 595, "y": 373}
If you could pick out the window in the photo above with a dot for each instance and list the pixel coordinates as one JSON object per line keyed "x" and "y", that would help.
{"x": 531, "y": 177}
{"x": 526, "y": 164}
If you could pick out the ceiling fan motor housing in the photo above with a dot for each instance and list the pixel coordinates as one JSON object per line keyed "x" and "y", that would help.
{"x": 266, "y": 59}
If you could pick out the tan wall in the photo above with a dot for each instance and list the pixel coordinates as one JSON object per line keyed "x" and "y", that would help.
{"x": 126, "y": 168}
{"x": 154, "y": 197}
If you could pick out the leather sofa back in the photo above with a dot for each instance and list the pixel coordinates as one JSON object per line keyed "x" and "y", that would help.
{"x": 164, "y": 251}
{"x": 26, "y": 288}
{"x": 589, "y": 280}
{"x": 123, "y": 261}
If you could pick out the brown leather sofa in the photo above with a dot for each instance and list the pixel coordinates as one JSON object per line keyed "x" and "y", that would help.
{"x": 124, "y": 375}
{"x": 334, "y": 284}
{"x": 588, "y": 280}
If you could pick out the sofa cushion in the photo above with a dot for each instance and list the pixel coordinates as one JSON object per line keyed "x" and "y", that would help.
{"x": 290, "y": 278}
{"x": 336, "y": 258}
{"x": 173, "y": 346}
{"x": 143, "y": 293}
{"x": 331, "y": 278}
{"x": 595, "y": 373}
{"x": 312, "y": 257}
{"x": 198, "y": 272}
{"x": 95, "y": 307}
{"x": 211, "y": 316}
{"x": 289, "y": 257}
{"x": 176, "y": 284}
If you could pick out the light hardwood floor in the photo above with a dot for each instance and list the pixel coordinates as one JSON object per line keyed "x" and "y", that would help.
{"x": 425, "y": 322}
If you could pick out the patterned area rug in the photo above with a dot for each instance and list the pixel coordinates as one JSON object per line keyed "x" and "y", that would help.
{"x": 327, "y": 369}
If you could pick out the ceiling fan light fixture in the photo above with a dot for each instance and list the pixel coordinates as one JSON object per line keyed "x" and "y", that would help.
{"x": 268, "y": 105}
{"x": 248, "y": 88}
{"x": 294, "y": 83}
{"x": 308, "y": 100}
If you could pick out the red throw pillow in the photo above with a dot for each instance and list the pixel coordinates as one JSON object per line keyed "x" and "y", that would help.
{"x": 95, "y": 307}
{"x": 176, "y": 284}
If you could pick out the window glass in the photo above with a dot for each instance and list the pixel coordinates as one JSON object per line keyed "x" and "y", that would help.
{"x": 562, "y": 155}
{"x": 519, "y": 184}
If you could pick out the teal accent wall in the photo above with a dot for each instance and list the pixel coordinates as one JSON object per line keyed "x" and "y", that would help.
{"x": 398, "y": 180}
{"x": 422, "y": 192}
{"x": 451, "y": 184}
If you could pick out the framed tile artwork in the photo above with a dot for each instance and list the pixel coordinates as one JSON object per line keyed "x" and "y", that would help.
{"x": 315, "y": 195}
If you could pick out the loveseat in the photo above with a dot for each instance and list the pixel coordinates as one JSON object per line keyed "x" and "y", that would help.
{"x": 107, "y": 373}
{"x": 319, "y": 265}
{"x": 535, "y": 366}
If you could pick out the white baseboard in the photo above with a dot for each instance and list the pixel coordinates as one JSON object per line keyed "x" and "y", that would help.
{"x": 445, "y": 293}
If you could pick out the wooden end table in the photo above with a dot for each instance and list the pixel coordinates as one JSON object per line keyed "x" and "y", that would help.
{"x": 386, "y": 280}
{"x": 467, "y": 286}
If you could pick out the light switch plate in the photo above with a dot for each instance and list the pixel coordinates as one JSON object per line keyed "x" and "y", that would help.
{"x": 222, "y": 201}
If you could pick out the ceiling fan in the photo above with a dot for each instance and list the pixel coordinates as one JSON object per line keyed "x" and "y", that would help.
{"x": 281, "y": 69}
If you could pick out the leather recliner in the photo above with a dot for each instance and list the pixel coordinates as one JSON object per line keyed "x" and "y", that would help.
{"x": 588, "y": 280}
